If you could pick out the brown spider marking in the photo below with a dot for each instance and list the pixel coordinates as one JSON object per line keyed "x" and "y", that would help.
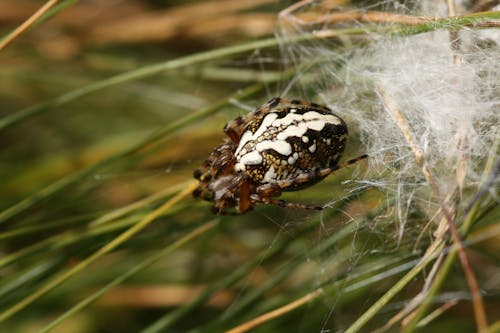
{"x": 284, "y": 145}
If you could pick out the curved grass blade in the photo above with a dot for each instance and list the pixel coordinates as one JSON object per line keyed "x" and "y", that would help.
{"x": 143, "y": 265}
{"x": 123, "y": 237}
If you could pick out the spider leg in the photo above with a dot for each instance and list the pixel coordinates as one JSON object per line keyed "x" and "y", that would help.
{"x": 244, "y": 201}
{"x": 351, "y": 161}
{"x": 256, "y": 198}
{"x": 216, "y": 210}
{"x": 271, "y": 189}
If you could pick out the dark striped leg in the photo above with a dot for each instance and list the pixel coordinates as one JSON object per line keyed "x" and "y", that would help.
{"x": 351, "y": 161}
{"x": 274, "y": 189}
{"x": 255, "y": 198}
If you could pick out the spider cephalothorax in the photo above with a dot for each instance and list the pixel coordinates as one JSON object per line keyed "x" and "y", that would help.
{"x": 284, "y": 145}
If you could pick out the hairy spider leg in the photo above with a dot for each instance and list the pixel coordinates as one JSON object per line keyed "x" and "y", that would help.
{"x": 349, "y": 162}
{"x": 244, "y": 202}
{"x": 216, "y": 210}
{"x": 245, "y": 205}
{"x": 274, "y": 189}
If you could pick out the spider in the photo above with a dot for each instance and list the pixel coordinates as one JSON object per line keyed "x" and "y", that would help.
{"x": 284, "y": 145}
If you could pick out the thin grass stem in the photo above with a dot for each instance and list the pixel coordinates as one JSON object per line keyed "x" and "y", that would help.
{"x": 199, "y": 231}
{"x": 27, "y": 24}
{"x": 159, "y": 134}
{"x": 63, "y": 276}
{"x": 393, "y": 291}
{"x": 277, "y": 312}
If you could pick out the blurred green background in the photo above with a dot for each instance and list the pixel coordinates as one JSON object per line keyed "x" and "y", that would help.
{"x": 92, "y": 157}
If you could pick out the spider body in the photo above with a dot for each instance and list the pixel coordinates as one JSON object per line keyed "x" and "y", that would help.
{"x": 284, "y": 145}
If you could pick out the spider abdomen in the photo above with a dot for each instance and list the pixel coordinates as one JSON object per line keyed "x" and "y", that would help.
{"x": 290, "y": 139}
{"x": 284, "y": 145}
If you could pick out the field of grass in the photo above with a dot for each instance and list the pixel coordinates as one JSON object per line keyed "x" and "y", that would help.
{"x": 107, "y": 107}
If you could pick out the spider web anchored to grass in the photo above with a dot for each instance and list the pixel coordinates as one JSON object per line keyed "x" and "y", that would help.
{"x": 99, "y": 233}
{"x": 426, "y": 108}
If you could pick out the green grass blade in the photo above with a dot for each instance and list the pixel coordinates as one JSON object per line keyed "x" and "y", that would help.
{"x": 123, "y": 237}
{"x": 199, "y": 231}
{"x": 161, "y": 133}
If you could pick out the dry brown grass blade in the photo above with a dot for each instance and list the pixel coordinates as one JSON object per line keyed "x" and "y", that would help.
{"x": 318, "y": 16}
{"x": 161, "y": 296}
{"x": 361, "y": 16}
{"x": 161, "y": 25}
{"x": 26, "y": 24}
{"x": 276, "y": 313}
{"x": 436, "y": 313}
{"x": 415, "y": 302}
{"x": 104, "y": 24}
